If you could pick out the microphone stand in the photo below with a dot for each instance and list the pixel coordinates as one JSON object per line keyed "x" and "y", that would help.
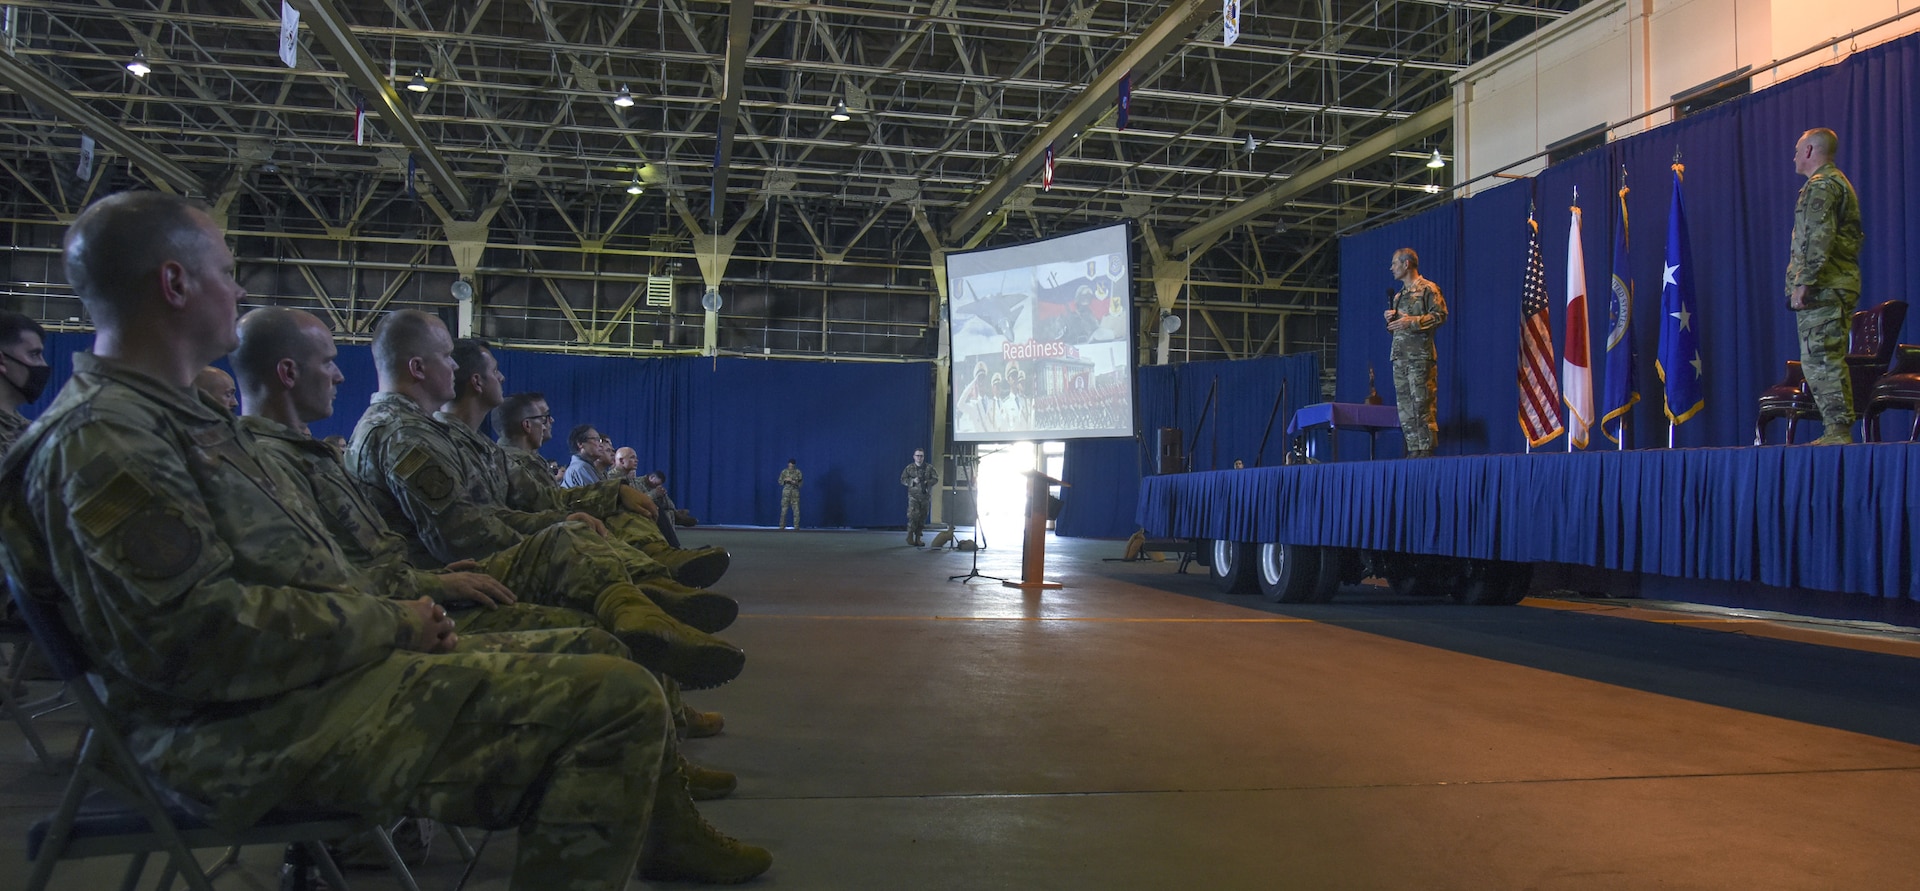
{"x": 979, "y": 536}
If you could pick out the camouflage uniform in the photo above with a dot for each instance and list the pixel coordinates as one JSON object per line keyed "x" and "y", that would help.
{"x": 251, "y": 668}
{"x": 1824, "y": 257}
{"x": 790, "y": 496}
{"x": 421, "y": 479}
{"x": 12, "y": 426}
{"x": 379, "y": 552}
{"x": 1416, "y": 374}
{"x": 920, "y": 480}
{"x": 526, "y": 485}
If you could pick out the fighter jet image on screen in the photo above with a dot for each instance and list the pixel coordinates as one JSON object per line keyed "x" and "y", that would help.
{"x": 1000, "y": 312}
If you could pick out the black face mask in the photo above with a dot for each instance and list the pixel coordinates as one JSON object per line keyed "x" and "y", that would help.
{"x": 36, "y": 384}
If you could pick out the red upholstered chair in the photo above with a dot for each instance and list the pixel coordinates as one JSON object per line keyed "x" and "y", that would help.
{"x": 1788, "y": 399}
{"x": 1870, "y": 345}
{"x": 1898, "y": 388}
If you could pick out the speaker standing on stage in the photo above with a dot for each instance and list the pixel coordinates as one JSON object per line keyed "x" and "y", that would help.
{"x": 1823, "y": 278}
{"x": 921, "y": 479}
{"x": 790, "y": 494}
{"x": 1413, "y": 312}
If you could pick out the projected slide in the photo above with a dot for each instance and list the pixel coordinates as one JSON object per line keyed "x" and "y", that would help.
{"x": 1040, "y": 335}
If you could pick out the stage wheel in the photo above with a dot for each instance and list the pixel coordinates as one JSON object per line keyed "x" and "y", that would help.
{"x": 1494, "y": 583}
{"x": 1231, "y": 566}
{"x": 1331, "y": 573}
{"x": 1288, "y": 573}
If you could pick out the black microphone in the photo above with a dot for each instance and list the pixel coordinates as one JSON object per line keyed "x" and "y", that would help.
{"x": 1392, "y": 292}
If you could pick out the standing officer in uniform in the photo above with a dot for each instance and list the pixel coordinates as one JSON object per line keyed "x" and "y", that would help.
{"x": 1823, "y": 278}
{"x": 1416, "y": 309}
{"x": 790, "y": 493}
{"x": 921, "y": 479}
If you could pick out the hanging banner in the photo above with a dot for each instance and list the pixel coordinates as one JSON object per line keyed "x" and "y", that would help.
{"x": 1230, "y": 16}
{"x": 84, "y": 170}
{"x": 289, "y": 34}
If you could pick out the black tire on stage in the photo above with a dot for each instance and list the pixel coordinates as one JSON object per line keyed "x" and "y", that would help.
{"x": 1230, "y": 565}
{"x": 1495, "y": 583}
{"x": 1329, "y": 575}
{"x": 1287, "y": 573}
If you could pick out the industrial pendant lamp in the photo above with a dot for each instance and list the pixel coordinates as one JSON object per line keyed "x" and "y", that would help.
{"x": 1436, "y": 162}
{"x": 840, "y": 112}
{"x": 624, "y": 99}
{"x": 418, "y": 84}
{"x": 138, "y": 64}
{"x": 635, "y": 187}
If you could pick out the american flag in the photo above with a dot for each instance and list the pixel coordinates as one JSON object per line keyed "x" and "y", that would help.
{"x": 1539, "y": 392}
{"x": 1046, "y": 171}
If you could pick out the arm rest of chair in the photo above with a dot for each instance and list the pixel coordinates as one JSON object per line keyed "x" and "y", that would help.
{"x": 1906, "y": 359}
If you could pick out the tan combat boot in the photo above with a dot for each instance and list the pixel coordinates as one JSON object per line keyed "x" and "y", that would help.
{"x": 660, "y": 643}
{"x": 707, "y": 784}
{"x": 699, "y": 724}
{"x": 683, "y": 847}
{"x": 708, "y": 611}
{"x": 694, "y": 567}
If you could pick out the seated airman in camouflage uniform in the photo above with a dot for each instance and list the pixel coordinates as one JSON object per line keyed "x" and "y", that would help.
{"x": 248, "y": 661}
{"x": 477, "y": 381}
{"x": 417, "y": 478}
{"x": 285, "y": 365}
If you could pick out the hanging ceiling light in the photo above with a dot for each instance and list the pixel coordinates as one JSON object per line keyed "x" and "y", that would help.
{"x": 138, "y": 65}
{"x": 1436, "y": 162}
{"x": 635, "y": 187}
{"x": 840, "y": 112}
{"x": 624, "y": 98}
{"x": 418, "y": 84}
{"x": 1251, "y": 145}
{"x": 1169, "y": 323}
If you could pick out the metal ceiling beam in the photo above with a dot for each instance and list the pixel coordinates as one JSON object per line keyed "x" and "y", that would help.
{"x": 35, "y": 86}
{"x": 1180, "y": 20}
{"x": 739, "y": 33}
{"x": 1432, "y": 119}
{"x": 336, "y": 34}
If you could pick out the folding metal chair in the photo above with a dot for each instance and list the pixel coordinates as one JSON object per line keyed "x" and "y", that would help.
{"x": 18, "y": 641}
{"x": 111, "y": 807}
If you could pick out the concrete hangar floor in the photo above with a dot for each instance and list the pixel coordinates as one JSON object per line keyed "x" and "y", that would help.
{"x": 1138, "y": 730}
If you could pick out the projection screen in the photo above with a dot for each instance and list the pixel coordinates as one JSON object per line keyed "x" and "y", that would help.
{"x": 1040, "y": 338}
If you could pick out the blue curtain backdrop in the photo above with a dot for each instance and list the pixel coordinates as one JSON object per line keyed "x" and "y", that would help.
{"x": 721, "y": 429}
{"x": 1104, "y": 474}
{"x": 1740, "y": 192}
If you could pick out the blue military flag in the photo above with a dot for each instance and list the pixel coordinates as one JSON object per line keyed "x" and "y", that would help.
{"x": 1126, "y": 98}
{"x": 1679, "y": 361}
{"x": 1622, "y": 390}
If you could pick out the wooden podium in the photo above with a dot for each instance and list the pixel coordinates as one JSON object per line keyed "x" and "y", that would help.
{"x": 1033, "y": 554}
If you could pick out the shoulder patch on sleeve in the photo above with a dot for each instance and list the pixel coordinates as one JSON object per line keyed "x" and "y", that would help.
{"x": 424, "y": 474}
{"x": 110, "y": 503}
{"x": 159, "y": 544}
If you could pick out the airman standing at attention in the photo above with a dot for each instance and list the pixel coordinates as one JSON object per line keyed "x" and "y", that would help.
{"x": 921, "y": 479}
{"x": 1823, "y": 279}
{"x": 790, "y": 493}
